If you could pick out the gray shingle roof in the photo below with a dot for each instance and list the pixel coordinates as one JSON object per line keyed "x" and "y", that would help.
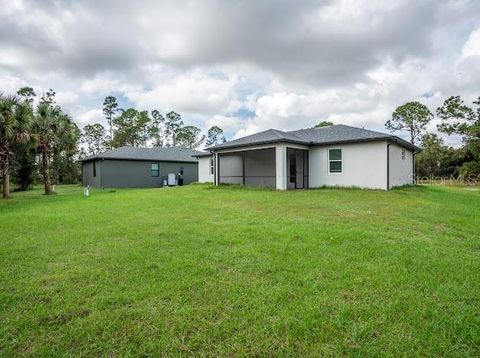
{"x": 268, "y": 136}
{"x": 169, "y": 154}
{"x": 313, "y": 136}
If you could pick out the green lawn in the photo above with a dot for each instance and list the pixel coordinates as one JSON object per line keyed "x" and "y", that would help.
{"x": 227, "y": 271}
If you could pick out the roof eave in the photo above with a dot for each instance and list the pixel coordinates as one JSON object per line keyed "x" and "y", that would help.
{"x": 140, "y": 160}
{"x": 216, "y": 148}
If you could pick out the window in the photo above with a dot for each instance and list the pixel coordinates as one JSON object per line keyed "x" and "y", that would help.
{"x": 181, "y": 171}
{"x": 211, "y": 166}
{"x": 94, "y": 169}
{"x": 155, "y": 170}
{"x": 335, "y": 160}
{"x": 403, "y": 154}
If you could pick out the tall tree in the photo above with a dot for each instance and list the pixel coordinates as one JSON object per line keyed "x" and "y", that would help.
{"x": 95, "y": 137}
{"x": 125, "y": 133}
{"x": 64, "y": 166}
{"x": 25, "y": 154}
{"x": 173, "y": 124}
{"x": 110, "y": 109}
{"x": 155, "y": 129}
{"x": 143, "y": 128}
{"x": 28, "y": 94}
{"x": 47, "y": 127}
{"x": 412, "y": 117}
{"x": 323, "y": 124}
{"x": 458, "y": 118}
{"x": 215, "y": 136}
{"x": 25, "y": 165}
{"x": 14, "y": 128}
{"x": 189, "y": 136}
{"x": 132, "y": 128}
{"x": 48, "y": 97}
{"x": 430, "y": 161}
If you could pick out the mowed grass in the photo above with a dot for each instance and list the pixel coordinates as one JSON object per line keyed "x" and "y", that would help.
{"x": 228, "y": 271}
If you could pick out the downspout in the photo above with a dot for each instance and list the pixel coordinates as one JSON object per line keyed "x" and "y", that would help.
{"x": 214, "y": 167}
{"x": 388, "y": 166}
{"x": 413, "y": 166}
{"x": 217, "y": 166}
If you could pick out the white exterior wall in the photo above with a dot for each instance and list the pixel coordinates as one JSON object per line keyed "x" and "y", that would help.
{"x": 281, "y": 166}
{"x": 204, "y": 175}
{"x": 401, "y": 170}
{"x": 364, "y": 165}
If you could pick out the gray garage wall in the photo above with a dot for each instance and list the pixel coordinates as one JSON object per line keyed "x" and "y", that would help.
{"x": 136, "y": 174}
{"x": 87, "y": 174}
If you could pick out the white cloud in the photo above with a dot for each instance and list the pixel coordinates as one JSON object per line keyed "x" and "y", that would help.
{"x": 282, "y": 64}
{"x": 472, "y": 45}
{"x": 191, "y": 92}
{"x": 89, "y": 116}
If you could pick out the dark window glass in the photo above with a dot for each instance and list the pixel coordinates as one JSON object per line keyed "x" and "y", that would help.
{"x": 335, "y": 167}
{"x": 335, "y": 154}
{"x": 155, "y": 169}
{"x": 335, "y": 160}
{"x": 94, "y": 169}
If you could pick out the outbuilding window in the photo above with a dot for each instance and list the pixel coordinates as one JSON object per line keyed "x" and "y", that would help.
{"x": 94, "y": 169}
{"x": 403, "y": 154}
{"x": 211, "y": 166}
{"x": 335, "y": 160}
{"x": 155, "y": 169}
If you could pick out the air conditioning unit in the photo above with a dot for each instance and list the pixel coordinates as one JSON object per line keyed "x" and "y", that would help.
{"x": 172, "y": 179}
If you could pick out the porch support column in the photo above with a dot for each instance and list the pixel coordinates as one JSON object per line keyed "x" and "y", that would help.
{"x": 281, "y": 166}
{"x": 217, "y": 169}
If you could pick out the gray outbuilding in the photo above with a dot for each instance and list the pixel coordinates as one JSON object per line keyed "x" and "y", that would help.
{"x": 131, "y": 167}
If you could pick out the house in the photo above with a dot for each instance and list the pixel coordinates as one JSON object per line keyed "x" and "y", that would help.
{"x": 336, "y": 155}
{"x": 131, "y": 167}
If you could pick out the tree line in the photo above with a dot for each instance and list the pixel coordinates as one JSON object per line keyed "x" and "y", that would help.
{"x": 32, "y": 137}
{"x": 141, "y": 128}
{"x": 437, "y": 159}
{"x": 39, "y": 141}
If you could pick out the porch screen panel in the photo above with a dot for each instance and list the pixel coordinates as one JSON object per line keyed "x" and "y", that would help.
{"x": 260, "y": 168}
{"x": 231, "y": 168}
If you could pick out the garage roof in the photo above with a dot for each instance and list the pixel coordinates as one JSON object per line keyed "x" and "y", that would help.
{"x": 167, "y": 154}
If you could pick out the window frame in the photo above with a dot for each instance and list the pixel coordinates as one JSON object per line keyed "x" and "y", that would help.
{"x": 155, "y": 170}
{"x": 94, "y": 169}
{"x": 335, "y": 161}
{"x": 404, "y": 153}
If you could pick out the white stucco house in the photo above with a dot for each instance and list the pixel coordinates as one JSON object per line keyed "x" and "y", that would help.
{"x": 336, "y": 155}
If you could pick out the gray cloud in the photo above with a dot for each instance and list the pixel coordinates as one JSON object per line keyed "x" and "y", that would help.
{"x": 372, "y": 56}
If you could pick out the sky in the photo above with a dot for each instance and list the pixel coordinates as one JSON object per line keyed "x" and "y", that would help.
{"x": 244, "y": 65}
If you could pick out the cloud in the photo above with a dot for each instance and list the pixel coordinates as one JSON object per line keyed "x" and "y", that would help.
{"x": 91, "y": 116}
{"x": 193, "y": 92}
{"x": 244, "y": 65}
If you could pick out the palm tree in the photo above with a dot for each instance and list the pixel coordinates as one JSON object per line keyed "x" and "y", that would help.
{"x": 14, "y": 128}
{"x": 46, "y": 128}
